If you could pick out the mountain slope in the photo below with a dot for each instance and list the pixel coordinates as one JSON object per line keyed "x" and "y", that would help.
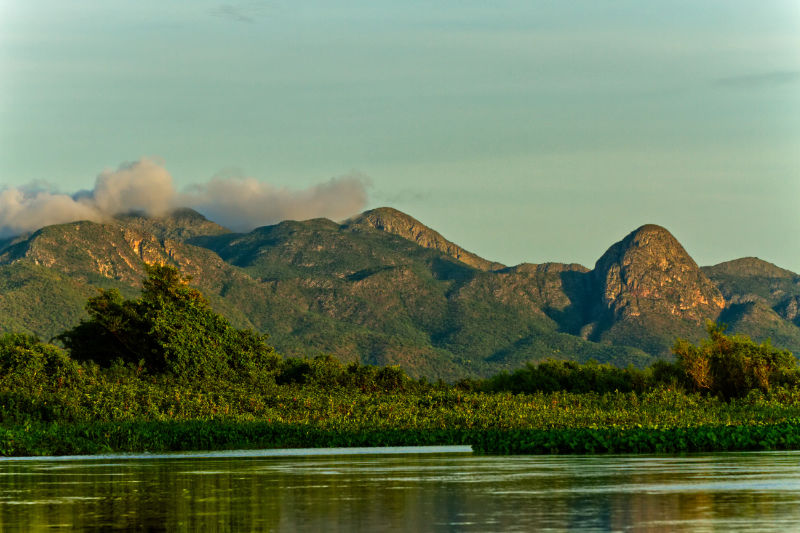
{"x": 362, "y": 275}
{"x": 398, "y": 223}
{"x": 384, "y": 289}
{"x": 90, "y": 255}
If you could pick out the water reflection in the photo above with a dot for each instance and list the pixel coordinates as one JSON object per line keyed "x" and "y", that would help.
{"x": 415, "y": 492}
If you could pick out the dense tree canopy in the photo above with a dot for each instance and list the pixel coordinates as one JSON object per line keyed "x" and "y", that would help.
{"x": 169, "y": 328}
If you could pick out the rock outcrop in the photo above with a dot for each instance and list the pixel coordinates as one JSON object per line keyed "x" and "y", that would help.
{"x": 648, "y": 290}
{"x": 650, "y": 272}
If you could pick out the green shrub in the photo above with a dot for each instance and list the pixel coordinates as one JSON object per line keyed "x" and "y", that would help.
{"x": 328, "y": 372}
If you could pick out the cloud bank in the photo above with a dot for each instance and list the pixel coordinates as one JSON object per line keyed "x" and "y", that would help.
{"x": 145, "y": 186}
{"x": 245, "y": 203}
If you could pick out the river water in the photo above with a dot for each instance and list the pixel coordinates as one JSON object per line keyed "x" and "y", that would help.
{"x": 411, "y": 489}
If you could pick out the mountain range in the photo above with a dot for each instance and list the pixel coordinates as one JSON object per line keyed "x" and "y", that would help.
{"x": 383, "y": 288}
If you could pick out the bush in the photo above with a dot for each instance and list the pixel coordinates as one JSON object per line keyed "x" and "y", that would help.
{"x": 327, "y": 372}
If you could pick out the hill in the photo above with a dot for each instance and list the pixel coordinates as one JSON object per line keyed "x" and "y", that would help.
{"x": 382, "y": 288}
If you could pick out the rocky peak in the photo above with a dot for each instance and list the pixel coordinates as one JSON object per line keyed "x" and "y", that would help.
{"x": 400, "y": 224}
{"x": 649, "y": 272}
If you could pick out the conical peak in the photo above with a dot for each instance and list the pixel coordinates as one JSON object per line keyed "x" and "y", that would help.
{"x": 646, "y": 243}
{"x": 651, "y": 234}
{"x": 649, "y": 271}
{"x": 651, "y": 229}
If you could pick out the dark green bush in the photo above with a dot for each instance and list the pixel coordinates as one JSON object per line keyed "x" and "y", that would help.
{"x": 326, "y": 371}
{"x": 553, "y": 375}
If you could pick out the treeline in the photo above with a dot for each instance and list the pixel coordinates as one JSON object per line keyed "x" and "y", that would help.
{"x": 722, "y": 365}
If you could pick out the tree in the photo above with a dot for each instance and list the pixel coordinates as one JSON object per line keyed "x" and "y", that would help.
{"x": 169, "y": 328}
{"x": 731, "y": 366}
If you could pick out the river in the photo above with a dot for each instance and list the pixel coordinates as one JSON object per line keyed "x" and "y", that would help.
{"x": 416, "y": 490}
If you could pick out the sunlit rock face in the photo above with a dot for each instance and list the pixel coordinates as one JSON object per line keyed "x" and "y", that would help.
{"x": 650, "y": 272}
{"x": 647, "y": 290}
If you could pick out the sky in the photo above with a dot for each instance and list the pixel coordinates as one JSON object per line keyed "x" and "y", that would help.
{"x": 523, "y": 130}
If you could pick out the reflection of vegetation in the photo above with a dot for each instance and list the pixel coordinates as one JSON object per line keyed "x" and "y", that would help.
{"x": 163, "y": 372}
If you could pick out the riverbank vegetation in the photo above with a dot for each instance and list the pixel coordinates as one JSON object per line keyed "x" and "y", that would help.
{"x": 163, "y": 372}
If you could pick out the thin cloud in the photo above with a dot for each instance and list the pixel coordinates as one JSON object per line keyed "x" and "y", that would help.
{"x": 404, "y": 196}
{"x": 754, "y": 81}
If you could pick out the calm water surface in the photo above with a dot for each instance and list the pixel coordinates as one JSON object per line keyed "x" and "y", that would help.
{"x": 425, "y": 490}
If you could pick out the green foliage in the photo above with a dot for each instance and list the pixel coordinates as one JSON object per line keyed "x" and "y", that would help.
{"x": 728, "y": 366}
{"x": 129, "y": 413}
{"x": 50, "y": 404}
{"x": 169, "y": 328}
{"x": 164, "y": 372}
{"x": 732, "y": 366}
{"x": 33, "y": 374}
{"x": 166, "y": 436}
{"x": 27, "y": 362}
{"x": 328, "y": 372}
{"x": 554, "y": 375}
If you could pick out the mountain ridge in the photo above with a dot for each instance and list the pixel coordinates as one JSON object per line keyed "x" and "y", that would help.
{"x": 385, "y": 295}
{"x": 398, "y": 223}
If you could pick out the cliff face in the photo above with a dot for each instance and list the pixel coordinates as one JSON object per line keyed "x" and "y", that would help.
{"x": 763, "y": 300}
{"x": 398, "y": 223}
{"x": 87, "y": 250}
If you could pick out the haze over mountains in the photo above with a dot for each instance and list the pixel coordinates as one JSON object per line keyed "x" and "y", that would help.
{"x": 385, "y": 289}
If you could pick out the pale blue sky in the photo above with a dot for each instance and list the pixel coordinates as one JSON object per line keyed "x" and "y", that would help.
{"x": 523, "y": 130}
